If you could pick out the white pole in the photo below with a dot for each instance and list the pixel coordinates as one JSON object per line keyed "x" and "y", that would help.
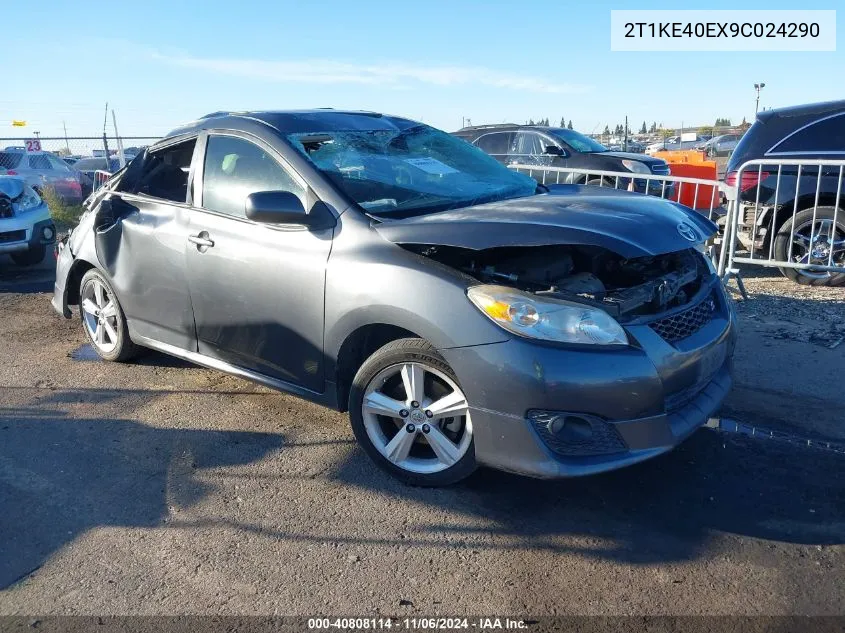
{"x": 120, "y": 156}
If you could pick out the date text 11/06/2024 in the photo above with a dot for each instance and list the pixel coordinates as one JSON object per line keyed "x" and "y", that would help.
{"x": 417, "y": 623}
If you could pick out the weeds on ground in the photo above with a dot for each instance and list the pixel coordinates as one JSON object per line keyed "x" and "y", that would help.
{"x": 66, "y": 216}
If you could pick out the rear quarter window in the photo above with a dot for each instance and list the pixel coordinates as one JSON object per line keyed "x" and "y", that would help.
{"x": 10, "y": 160}
{"x": 824, "y": 136}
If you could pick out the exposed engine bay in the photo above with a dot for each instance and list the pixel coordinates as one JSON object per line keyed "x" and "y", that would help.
{"x": 587, "y": 274}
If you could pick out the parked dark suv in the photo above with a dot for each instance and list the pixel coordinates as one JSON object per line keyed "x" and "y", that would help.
{"x": 559, "y": 147}
{"x": 814, "y": 131}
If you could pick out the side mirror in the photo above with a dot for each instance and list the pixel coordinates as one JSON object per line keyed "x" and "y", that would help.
{"x": 275, "y": 207}
{"x": 554, "y": 150}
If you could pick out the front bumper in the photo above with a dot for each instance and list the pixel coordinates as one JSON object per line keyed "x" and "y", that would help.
{"x": 23, "y": 232}
{"x": 64, "y": 263}
{"x": 651, "y": 395}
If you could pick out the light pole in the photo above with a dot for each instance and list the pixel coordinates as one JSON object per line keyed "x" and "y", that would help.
{"x": 758, "y": 88}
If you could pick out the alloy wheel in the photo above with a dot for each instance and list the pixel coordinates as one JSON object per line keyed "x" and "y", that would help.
{"x": 100, "y": 315}
{"x": 816, "y": 243}
{"x": 417, "y": 417}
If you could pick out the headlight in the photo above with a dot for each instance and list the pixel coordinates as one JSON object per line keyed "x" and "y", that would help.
{"x": 546, "y": 319}
{"x": 27, "y": 201}
{"x": 636, "y": 166}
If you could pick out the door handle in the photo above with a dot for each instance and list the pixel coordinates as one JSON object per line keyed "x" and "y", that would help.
{"x": 201, "y": 240}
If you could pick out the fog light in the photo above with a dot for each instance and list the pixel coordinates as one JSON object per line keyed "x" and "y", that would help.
{"x": 570, "y": 428}
{"x": 47, "y": 232}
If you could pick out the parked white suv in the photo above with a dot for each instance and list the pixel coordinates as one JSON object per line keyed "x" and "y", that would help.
{"x": 26, "y": 229}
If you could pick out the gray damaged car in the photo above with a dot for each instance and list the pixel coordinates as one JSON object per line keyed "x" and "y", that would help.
{"x": 460, "y": 312}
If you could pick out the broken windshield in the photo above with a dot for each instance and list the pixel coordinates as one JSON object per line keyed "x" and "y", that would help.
{"x": 410, "y": 171}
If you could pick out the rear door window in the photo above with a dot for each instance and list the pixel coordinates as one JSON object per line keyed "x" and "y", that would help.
{"x": 826, "y": 136}
{"x": 165, "y": 172}
{"x": 527, "y": 145}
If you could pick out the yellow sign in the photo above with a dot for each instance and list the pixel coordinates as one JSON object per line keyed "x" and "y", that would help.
{"x": 18, "y": 123}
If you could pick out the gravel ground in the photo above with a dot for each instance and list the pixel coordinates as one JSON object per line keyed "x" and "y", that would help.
{"x": 162, "y": 488}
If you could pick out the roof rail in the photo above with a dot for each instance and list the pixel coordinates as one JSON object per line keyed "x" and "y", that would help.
{"x": 488, "y": 125}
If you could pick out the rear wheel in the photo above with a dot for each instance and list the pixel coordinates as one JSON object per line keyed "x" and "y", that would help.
{"x": 103, "y": 319}
{"x": 35, "y": 255}
{"x": 815, "y": 240}
{"x": 410, "y": 415}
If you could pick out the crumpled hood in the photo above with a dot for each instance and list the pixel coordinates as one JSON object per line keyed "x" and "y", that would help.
{"x": 631, "y": 225}
{"x": 11, "y": 186}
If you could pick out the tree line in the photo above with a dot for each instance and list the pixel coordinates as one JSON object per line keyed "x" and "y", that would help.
{"x": 563, "y": 122}
{"x": 645, "y": 128}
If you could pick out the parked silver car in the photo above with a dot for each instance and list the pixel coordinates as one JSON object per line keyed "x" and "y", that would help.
{"x": 42, "y": 169}
{"x": 26, "y": 229}
{"x": 721, "y": 145}
{"x": 672, "y": 144}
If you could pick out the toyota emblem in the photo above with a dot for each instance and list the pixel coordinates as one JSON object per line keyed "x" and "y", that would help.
{"x": 687, "y": 232}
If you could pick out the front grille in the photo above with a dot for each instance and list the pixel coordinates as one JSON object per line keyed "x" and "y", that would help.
{"x": 661, "y": 169}
{"x": 686, "y": 323}
{"x": 12, "y": 236}
{"x": 5, "y": 207}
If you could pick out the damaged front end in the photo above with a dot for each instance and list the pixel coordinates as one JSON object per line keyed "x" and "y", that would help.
{"x": 639, "y": 287}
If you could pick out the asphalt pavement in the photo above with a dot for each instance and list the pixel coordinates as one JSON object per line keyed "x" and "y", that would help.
{"x": 158, "y": 487}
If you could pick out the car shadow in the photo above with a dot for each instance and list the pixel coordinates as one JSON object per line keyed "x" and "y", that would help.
{"x": 663, "y": 510}
{"x": 27, "y": 279}
{"x": 61, "y": 476}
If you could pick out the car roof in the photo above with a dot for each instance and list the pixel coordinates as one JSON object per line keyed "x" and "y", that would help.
{"x": 296, "y": 121}
{"x": 506, "y": 127}
{"x": 806, "y": 110}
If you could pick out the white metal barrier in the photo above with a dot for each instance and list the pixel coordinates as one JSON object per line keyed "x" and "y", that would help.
{"x": 789, "y": 215}
{"x": 711, "y": 198}
{"x": 101, "y": 177}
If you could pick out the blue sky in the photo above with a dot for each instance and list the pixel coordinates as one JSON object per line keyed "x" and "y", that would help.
{"x": 162, "y": 63}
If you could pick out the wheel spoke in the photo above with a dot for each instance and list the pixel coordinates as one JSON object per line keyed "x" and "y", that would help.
{"x": 109, "y": 310}
{"x": 398, "y": 448}
{"x": 99, "y": 294}
{"x": 110, "y": 331}
{"x": 453, "y": 405}
{"x": 801, "y": 240}
{"x": 379, "y": 404}
{"x": 825, "y": 229}
{"x": 446, "y": 450}
{"x": 413, "y": 377}
{"x": 99, "y": 334}
{"x": 89, "y": 307}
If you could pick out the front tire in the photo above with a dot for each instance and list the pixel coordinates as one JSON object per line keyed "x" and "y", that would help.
{"x": 35, "y": 255}
{"x": 103, "y": 319}
{"x": 825, "y": 238}
{"x": 410, "y": 415}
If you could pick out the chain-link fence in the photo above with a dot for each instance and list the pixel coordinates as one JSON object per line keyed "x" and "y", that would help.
{"x": 77, "y": 147}
{"x": 67, "y": 165}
